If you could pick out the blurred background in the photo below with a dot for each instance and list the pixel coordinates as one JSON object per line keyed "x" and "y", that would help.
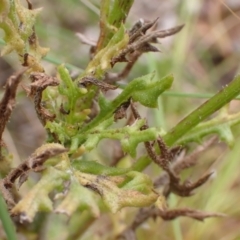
{"x": 203, "y": 58}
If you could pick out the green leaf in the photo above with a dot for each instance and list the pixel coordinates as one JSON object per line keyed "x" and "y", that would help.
{"x": 112, "y": 15}
{"x": 135, "y": 89}
{"x": 129, "y": 136}
{"x": 130, "y": 142}
{"x": 147, "y": 91}
{"x": 97, "y": 168}
{"x": 6, "y": 220}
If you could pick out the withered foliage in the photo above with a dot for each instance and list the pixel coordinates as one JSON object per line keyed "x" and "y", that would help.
{"x": 170, "y": 181}
{"x": 141, "y": 37}
{"x": 165, "y": 160}
{"x": 184, "y": 161}
{"x": 8, "y": 102}
{"x": 166, "y": 215}
{"x": 40, "y": 81}
{"x": 88, "y": 81}
{"x": 33, "y": 163}
{"x": 181, "y": 189}
{"x": 121, "y": 111}
{"x": 141, "y": 41}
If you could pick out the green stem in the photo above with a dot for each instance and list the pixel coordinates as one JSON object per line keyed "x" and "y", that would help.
{"x": 6, "y": 221}
{"x": 193, "y": 119}
{"x": 190, "y": 95}
{"x": 112, "y": 15}
{"x": 205, "y": 110}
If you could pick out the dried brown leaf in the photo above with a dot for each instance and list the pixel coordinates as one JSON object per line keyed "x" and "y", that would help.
{"x": 121, "y": 111}
{"x": 86, "y": 81}
{"x": 182, "y": 162}
{"x": 185, "y": 189}
{"x": 186, "y": 212}
{"x": 140, "y": 39}
{"x": 40, "y": 81}
{"x": 139, "y": 29}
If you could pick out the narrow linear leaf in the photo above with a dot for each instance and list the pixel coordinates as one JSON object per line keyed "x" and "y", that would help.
{"x": 6, "y": 220}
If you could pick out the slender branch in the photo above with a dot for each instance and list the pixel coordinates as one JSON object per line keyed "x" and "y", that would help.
{"x": 205, "y": 110}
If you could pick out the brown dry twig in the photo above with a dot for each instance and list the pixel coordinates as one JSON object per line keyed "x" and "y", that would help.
{"x": 185, "y": 162}
{"x": 186, "y": 212}
{"x": 8, "y": 102}
{"x": 185, "y": 189}
{"x": 34, "y": 163}
{"x": 166, "y": 215}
